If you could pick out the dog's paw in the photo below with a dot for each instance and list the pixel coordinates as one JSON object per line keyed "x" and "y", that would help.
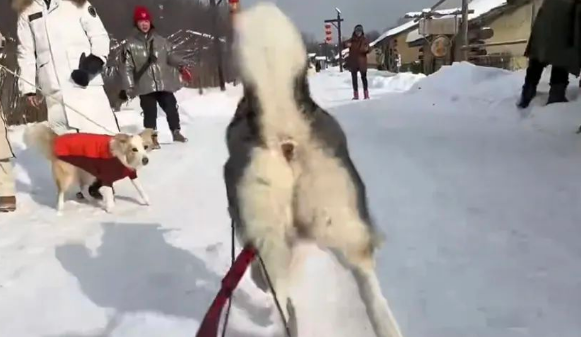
{"x": 110, "y": 209}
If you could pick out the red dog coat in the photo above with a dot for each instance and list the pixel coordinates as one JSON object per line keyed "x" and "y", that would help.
{"x": 91, "y": 153}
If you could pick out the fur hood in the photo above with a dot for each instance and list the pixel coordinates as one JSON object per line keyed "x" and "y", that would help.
{"x": 21, "y": 5}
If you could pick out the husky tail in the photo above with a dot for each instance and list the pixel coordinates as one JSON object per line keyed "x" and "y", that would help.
{"x": 272, "y": 61}
{"x": 41, "y": 137}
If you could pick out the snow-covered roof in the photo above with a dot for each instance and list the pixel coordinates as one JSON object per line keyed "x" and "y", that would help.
{"x": 394, "y": 31}
{"x": 480, "y": 7}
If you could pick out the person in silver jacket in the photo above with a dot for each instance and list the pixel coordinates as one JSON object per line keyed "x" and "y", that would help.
{"x": 151, "y": 71}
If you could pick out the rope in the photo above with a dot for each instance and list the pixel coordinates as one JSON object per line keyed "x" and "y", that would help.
{"x": 276, "y": 301}
{"x": 233, "y": 248}
{"x": 268, "y": 280}
{"x": 58, "y": 100}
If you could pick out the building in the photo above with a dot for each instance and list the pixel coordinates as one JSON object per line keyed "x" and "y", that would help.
{"x": 498, "y": 30}
{"x": 511, "y": 24}
{"x": 392, "y": 45}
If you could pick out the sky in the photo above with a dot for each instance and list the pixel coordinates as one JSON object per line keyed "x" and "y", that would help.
{"x": 372, "y": 14}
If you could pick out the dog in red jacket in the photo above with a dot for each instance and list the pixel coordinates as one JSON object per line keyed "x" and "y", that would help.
{"x": 82, "y": 157}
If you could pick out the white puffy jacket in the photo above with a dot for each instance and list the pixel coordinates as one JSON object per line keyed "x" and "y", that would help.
{"x": 51, "y": 42}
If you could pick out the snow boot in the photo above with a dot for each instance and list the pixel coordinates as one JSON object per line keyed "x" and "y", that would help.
{"x": 528, "y": 93}
{"x": 178, "y": 137}
{"x": 557, "y": 94}
{"x": 366, "y": 94}
{"x": 7, "y": 204}
{"x": 355, "y": 95}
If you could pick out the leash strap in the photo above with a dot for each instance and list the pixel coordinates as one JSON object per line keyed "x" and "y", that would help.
{"x": 211, "y": 322}
{"x": 233, "y": 257}
{"x": 58, "y": 100}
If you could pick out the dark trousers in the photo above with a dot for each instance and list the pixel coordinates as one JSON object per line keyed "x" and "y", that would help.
{"x": 363, "y": 79}
{"x": 535, "y": 71}
{"x": 167, "y": 101}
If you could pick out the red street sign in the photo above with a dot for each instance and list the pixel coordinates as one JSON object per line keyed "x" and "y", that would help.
{"x": 233, "y": 1}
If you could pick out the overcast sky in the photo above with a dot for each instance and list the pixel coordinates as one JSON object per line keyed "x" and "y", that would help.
{"x": 372, "y": 14}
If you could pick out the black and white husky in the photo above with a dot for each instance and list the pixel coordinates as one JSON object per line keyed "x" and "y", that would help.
{"x": 289, "y": 174}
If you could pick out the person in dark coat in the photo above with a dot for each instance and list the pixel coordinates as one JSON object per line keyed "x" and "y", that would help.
{"x": 357, "y": 61}
{"x": 555, "y": 40}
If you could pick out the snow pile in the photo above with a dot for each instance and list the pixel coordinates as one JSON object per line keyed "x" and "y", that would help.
{"x": 401, "y": 82}
{"x": 466, "y": 81}
{"x": 387, "y": 82}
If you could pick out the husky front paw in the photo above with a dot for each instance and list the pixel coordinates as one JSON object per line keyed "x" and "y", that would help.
{"x": 110, "y": 209}
{"x": 145, "y": 202}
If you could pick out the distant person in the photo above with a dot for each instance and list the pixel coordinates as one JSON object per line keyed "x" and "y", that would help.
{"x": 357, "y": 61}
{"x": 151, "y": 71}
{"x": 556, "y": 41}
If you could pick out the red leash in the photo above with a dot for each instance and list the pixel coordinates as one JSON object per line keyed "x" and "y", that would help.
{"x": 211, "y": 322}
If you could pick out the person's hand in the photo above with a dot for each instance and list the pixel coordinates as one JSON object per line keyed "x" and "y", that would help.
{"x": 33, "y": 100}
{"x": 125, "y": 95}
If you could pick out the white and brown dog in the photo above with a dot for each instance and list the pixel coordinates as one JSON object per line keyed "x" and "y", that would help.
{"x": 289, "y": 174}
{"x": 79, "y": 158}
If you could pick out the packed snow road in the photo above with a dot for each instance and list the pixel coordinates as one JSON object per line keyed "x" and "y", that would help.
{"x": 480, "y": 205}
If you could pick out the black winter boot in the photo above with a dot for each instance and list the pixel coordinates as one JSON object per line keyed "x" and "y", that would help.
{"x": 557, "y": 94}
{"x": 528, "y": 93}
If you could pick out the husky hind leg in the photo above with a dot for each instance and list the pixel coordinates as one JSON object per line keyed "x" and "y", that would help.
{"x": 362, "y": 265}
{"x": 263, "y": 198}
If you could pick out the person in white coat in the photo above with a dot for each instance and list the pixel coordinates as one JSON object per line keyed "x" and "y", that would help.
{"x": 62, "y": 49}
{"x": 63, "y": 46}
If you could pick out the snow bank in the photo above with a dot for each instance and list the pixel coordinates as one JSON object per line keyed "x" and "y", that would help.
{"x": 465, "y": 81}
{"x": 389, "y": 82}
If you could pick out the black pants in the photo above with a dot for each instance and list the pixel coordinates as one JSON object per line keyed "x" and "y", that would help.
{"x": 363, "y": 79}
{"x": 535, "y": 71}
{"x": 167, "y": 101}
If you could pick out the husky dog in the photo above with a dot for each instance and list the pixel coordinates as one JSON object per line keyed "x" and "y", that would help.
{"x": 289, "y": 175}
{"x": 79, "y": 158}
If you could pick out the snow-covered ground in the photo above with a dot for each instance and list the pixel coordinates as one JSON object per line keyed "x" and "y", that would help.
{"x": 480, "y": 204}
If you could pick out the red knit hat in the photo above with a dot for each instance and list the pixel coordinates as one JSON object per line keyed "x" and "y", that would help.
{"x": 141, "y": 13}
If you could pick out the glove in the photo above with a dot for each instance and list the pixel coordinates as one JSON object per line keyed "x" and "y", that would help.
{"x": 126, "y": 95}
{"x": 89, "y": 67}
{"x": 186, "y": 74}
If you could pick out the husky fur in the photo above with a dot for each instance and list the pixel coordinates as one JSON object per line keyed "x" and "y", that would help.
{"x": 289, "y": 175}
{"x": 131, "y": 150}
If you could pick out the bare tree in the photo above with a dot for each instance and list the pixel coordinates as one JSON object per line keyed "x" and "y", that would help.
{"x": 373, "y": 35}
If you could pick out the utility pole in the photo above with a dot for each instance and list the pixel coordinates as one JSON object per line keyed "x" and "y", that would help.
{"x": 217, "y": 45}
{"x": 464, "y": 32}
{"x": 337, "y": 23}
